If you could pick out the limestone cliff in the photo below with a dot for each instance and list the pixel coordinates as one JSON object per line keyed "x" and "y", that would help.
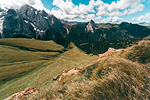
{"x": 91, "y": 27}
{"x": 32, "y": 23}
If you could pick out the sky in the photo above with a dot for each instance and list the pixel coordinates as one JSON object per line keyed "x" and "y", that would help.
{"x": 101, "y": 11}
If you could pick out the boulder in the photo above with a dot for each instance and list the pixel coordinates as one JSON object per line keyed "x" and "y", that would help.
{"x": 23, "y": 94}
{"x": 73, "y": 71}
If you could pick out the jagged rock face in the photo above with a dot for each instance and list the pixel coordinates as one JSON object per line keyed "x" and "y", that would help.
{"x": 47, "y": 27}
{"x": 91, "y": 26}
{"x": 32, "y": 23}
{"x": 13, "y": 24}
{"x": 23, "y": 95}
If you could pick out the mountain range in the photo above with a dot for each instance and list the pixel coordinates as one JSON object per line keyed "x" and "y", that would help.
{"x": 144, "y": 24}
{"x": 28, "y": 22}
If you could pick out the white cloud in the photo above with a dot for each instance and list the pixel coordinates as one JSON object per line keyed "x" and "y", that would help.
{"x": 111, "y": 20}
{"x": 62, "y": 15}
{"x": 99, "y": 17}
{"x": 69, "y": 8}
{"x": 137, "y": 8}
{"x": 16, "y": 4}
{"x": 143, "y": 17}
{"x": 123, "y": 4}
{"x": 133, "y": 19}
{"x": 90, "y": 16}
{"x": 120, "y": 8}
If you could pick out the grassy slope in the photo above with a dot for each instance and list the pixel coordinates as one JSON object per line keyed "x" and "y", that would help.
{"x": 113, "y": 77}
{"x": 27, "y": 62}
{"x": 138, "y": 53}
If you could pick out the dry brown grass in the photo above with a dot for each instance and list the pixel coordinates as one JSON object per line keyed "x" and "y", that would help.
{"x": 112, "y": 78}
{"x": 117, "y": 79}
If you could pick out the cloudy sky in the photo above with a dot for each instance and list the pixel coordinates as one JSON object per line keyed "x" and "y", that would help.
{"x": 102, "y": 11}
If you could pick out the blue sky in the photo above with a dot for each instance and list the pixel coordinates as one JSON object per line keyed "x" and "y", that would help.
{"x": 102, "y": 11}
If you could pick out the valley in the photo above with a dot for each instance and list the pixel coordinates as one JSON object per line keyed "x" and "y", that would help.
{"x": 46, "y": 58}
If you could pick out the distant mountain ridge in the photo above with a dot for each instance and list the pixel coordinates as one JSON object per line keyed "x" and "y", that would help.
{"x": 28, "y": 22}
{"x": 144, "y": 24}
{"x": 91, "y": 32}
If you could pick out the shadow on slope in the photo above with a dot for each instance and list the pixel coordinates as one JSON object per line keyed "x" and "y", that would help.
{"x": 138, "y": 53}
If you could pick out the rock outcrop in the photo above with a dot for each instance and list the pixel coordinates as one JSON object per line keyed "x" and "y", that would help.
{"x": 23, "y": 94}
{"x": 13, "y": 25}
{"x": 109, "y": 52}
{"x": 32, "y": 23}
{"x": 65, "y": 73}
{"x": 91, "y": 27}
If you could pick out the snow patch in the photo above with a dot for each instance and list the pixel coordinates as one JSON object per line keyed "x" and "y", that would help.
{"x": 33, "y": 25}
{"x": 38, "y": 30}
{"x": 45, "y": 17}
{"x": 36, "y": 12}
{"x": 26, "y": 21}
{"x": 17, "y": 17}
{"x": 52, "y": 22}
{"x": 35, "y": 28}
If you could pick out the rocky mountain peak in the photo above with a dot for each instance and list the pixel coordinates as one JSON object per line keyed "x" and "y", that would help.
{"x": 93, "y": 23}
{"x": 11, "y": 12}
{"x": 30, "y": 22}
{"x": 27, "y": 7}
{"x": 91, "y": 26}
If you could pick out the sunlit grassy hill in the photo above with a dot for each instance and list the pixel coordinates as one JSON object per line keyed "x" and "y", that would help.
{"x": 33, "y": 63}
{"x": 122, "y": 75}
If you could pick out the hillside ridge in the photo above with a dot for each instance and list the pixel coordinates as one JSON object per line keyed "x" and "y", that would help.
{"x": 111, "y": 53}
